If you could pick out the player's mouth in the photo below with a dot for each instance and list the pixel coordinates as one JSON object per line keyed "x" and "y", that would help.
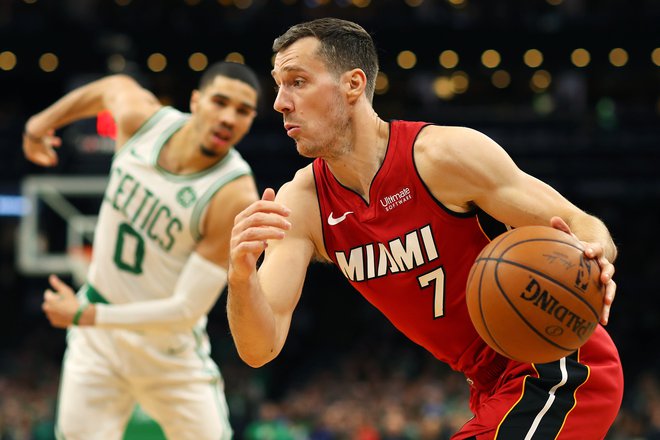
{"x": 291, "y": 129}
{"x": 221, "y": 137}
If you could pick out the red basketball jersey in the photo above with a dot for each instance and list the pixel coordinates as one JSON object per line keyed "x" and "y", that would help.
{"x": 410, "y": 256}
{"x": 406, "y": 253}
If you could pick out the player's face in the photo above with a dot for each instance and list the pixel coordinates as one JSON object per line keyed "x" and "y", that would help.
{"x": 223, "y": 113}
{"x": 309, "y": 97}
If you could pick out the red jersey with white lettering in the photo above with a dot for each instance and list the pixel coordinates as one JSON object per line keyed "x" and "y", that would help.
{"x": 410, "y": 256}
{"x": 405, "y": 252}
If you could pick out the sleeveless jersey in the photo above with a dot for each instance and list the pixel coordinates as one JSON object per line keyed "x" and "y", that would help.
{"x": 406, "y": 253}
{"x": 150, "y": 219}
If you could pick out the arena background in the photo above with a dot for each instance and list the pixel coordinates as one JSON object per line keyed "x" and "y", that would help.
{"x": 584, "y": 118}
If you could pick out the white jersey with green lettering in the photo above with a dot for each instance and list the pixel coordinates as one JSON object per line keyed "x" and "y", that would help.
{"x": 150, "y": 219}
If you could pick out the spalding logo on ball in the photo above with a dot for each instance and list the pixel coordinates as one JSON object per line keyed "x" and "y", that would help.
{"x": 533, "y": 296}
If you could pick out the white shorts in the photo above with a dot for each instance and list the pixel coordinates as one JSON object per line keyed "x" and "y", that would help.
{"x": 171, "y": 375}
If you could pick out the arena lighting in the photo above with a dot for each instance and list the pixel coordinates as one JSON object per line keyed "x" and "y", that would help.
{"x": 235, "y": 57}
{"x": 243, "y": 4}
{"x": 406, "y": 59}
{"x": 458, "y": 3}
{"x": 7, "y": 60}
{"x": 655, "y": 56}
{"x": 580, "y": 57}
{"x": 382, "y": 83}
{"x": 48, "y": 62}
{"x": 533, "y": 58}
{"x": 13, "y": 206}
{"x": 361, "y": 3}
{"x": 414, "y": 3}
{"x": 460, "y": 81}
{"x": 443, "y": 87}
{"x": 501, "y": 79}
{"x": 618, "y": 57}
{"x": 198, "y": 61}
{"x": 157, "y": 62}
{"x": 540, "y": 81}
{"x": 448, "y": 59}
{"x": 491, "y": 58}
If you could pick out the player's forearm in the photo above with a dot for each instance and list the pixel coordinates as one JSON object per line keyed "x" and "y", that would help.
{"x": 163, "y": 314}
{"x": 252, "y": 322}
{"x": 83, "y": 102}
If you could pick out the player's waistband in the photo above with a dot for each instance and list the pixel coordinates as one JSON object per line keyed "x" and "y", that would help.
{"x": 93, "y": 295}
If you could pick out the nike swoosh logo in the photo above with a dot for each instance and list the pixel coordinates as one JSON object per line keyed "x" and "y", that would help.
{"x": 335, "y": 221}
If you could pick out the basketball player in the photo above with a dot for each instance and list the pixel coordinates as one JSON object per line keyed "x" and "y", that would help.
{"x": 397, "y": 207}
{"x": 161, "y": 247}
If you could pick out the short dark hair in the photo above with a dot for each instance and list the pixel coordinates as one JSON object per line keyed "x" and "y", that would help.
{"x": 231, "y": 70}
{"x": 344, "y": 46}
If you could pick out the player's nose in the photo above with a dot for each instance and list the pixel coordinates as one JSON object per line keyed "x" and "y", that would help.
{"x": 283, "y": 102}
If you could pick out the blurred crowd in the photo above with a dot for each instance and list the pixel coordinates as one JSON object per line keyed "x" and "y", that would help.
{"x": 386, "y": 393}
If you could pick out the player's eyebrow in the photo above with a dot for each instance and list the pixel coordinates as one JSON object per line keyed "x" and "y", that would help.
{"x": 242, "y": 103}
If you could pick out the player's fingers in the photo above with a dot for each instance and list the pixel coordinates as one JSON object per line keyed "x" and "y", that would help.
{"x": 606, "y": 270}
{"x": 50, "y": 296}
{"x": 610, "y": 293}
{"x": 60, "y": 286}
{"x": 559, "y": 223}
{"x": 256, "y": 234}
{"x": 261, "y": 219}
{"x": 605, "y": 315}
{"x": 55, "y": 141}
{"x": 269, "y": 194}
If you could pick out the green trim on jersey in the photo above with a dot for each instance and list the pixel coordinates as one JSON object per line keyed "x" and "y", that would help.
{"x": 93, "y": 295}
{"x": 198, "y": 210}
{"x": 145, "y": 127}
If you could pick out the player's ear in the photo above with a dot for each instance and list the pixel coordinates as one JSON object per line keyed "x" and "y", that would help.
{"x": 356, "y": 82}
{"x": 194, "y": 101}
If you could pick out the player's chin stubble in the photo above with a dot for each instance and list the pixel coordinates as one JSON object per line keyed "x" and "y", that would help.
{"x": 207, "y": 151}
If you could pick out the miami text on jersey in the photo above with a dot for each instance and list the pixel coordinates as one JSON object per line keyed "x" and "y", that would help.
{"x": 399, "y": 254}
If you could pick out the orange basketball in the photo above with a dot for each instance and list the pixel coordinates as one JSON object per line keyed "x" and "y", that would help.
{"x": 533, "y": 296}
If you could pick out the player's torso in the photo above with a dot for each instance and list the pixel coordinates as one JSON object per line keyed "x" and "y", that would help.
{"x": 404, "y": 251}
{"x": 150, "y": 220}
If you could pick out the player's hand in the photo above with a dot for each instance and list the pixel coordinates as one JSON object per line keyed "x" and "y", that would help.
{"x": 40, "y": 149}
{"x": 263, "y": 220}
{"x": 595, "y": 251}
{"x": 60, "y": 304}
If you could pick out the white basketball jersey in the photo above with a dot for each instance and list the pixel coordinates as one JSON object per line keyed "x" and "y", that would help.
{"x": 150, "y": 219}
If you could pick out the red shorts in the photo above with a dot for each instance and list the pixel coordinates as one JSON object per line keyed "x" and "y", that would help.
{"x": 575, "y": 398}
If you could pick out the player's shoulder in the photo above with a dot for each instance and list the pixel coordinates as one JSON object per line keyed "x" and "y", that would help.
{"x": 301, "y": 186}
{"x": 239, "y": 191}
{"x": 299, "y": 193}
{"x": 447, "y": 142}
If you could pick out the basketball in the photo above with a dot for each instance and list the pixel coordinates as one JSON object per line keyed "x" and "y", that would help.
{"x": 533, "y": 296}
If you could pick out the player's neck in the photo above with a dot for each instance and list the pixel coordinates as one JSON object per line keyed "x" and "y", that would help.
{"x": 182, "y": 154}
{"x": 356, "y": 168}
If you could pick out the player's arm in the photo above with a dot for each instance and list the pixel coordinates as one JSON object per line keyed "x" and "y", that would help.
{"x": 198, "y": 287}
{"x": 130, "y": 104}
{"x": 475, "y": 170}
{"x": 260, "y": 304}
